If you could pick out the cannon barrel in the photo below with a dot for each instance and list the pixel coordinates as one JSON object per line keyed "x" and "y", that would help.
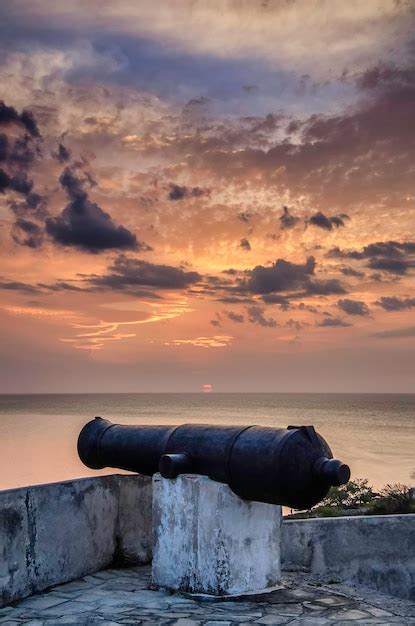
{"x": 293, "y": 466}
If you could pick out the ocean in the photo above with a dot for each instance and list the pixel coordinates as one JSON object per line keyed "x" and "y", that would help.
{"x": 373, "y": 433}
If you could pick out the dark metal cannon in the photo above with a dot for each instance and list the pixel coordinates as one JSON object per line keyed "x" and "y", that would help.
{"x": 293, "y": 466}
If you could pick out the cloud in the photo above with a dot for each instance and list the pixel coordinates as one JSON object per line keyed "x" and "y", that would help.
{"x": 350, "y": 271}
{"x": 273, "y": 298}
{"x": 353, "y": 307}
{"x": 398, "y": 333}
{"x": 20, "y": 183}
{"x": 324, "y": 287}
{"x": 327, "y": 223}
{"x": 392, "y": 303}
{"x": 234, "y": 317}
{"x": 390, "y": 256}
{"x": 244, "y": 216}
{"x": 27, "y": 233}
{"x": 245, "y": 245}
{"x": 280, "y": 276}
{"x": 256, "y": 316}
{"x": 12, "y": 285}
{"x": 178, "y": 192}
{"x": 287, "y": 220}
{"x": 126, "y": 274}
{"x": 26, "y": 119}
{"x": 62, "y": 154}
{"x": 332, "y": 322}
{"x": 83, "y": 224}
{"x": 217, "y": 341}
{"x": 19, "y": 153}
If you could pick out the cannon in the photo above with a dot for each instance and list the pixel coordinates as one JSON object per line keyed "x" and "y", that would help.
{"x": 293, "y": 467}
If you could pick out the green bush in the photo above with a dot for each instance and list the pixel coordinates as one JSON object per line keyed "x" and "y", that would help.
{"x": 392, "y": 500}
{"x": 355, "y": 493}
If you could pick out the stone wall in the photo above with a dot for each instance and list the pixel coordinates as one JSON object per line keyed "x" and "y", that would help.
{"x": 376, "y": 551}
{"x": 54, "y": 533}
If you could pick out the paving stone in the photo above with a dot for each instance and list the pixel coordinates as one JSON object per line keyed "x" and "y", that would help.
{"x": 333, "y": 601}
{"x": 229, "y": 617}
{"x": 75, "y": 585}
{"x": 66, "y": 595}
{"x": 116, "y": 598}
{"x": 378, "y": 612}
{"x": 312, "y": 606}
{"x": 311, "y": 621}
{"x": 69, "y": 608}
{"x": 273, "y": 619}
{"x": 39, "y": 603}
{"x": 353, "y": 614}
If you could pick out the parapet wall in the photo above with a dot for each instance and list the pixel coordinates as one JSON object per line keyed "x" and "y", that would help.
{"x": 377, "y": 551}
{"x": 50, "y": 534}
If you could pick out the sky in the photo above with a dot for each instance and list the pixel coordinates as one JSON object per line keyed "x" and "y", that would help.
{"x": 207, "y": 193}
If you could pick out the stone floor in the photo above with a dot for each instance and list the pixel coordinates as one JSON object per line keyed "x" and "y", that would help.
{"x": 126, "y": 596}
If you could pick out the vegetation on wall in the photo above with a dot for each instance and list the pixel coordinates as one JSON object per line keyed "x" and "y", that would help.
{"x": 358, "y": 497}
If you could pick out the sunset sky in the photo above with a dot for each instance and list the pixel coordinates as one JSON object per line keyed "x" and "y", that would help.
{"x": 207, "y": 193}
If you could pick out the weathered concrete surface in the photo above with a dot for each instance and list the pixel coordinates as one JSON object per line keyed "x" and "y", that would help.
{"x": 208, "y": 540}
{"x": 125, "y": 596}
{"x": 376, "y": 551}
{"x": 54, "y": 533}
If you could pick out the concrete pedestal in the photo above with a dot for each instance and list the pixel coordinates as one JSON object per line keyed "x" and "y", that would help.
{"x": 208, "y": 540}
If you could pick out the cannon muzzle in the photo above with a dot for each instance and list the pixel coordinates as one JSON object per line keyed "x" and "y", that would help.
{"x": 292, "y": 467}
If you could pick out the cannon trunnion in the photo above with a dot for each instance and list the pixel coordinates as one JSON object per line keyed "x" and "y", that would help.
{"x": 292, "y": 467}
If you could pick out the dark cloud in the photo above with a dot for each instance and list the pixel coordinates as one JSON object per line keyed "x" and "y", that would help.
{"x": 383, "y": 77}
{"x": 280, "y": 276}
{"x": 215, "y": 322}
{"x": 327, "y": 223}
{"x": 178, "y": 192}
{"x": 21, "y": 153}
{"x": 19, "y": 183}
{"x": 9, "y": 115}
{"x": 273, "y": 298}
{"x": 27, "y": 233}
{"x": 234, "y": 317}
{"x": 390, "y": 256}
{"x": 353, "y": 307}
{"x": 11, "y": 285}
{"x": 256, "y": 316}
{"x": 62, "y": 154}
{"x": 395, "y": 266}
{"x": 392, "y": 303}
{"x": 17, "y": 155}
{"x": 83, "y": 224}
{"x": 4, "y": 147}
{"x": 235, "y": 300}
{"x": 126, "y": 274}
{"x": 287, "y": 220}
{"x": 332, "y": 322}
{"x": 324, "y": 287}
{"x": 245, "y": 245}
